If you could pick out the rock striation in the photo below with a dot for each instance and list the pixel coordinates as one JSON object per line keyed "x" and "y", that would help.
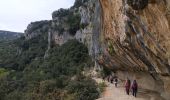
{"x": 136, "y": 37}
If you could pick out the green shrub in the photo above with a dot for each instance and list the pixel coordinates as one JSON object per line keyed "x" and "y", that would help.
{"x": 74, "y": 23}
{"x": 79, "y": 3}
{"x": 60, "y": 13}
{"x": 101, "y": 86}
{"x": 51, "y": 78}
{"x": 83, "y": 25}
{"x": 71, "y": 19}
{"x": 42, "y": 25}
{"x": 3, "y": 72}
{"x": 84, "y": 89}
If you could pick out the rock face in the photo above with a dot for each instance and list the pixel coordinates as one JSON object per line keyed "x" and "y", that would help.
{"x": 137, "y": 4}
{"x": 123, "y": 35}
{"x": 141, "y": 37}
{"x": 136, "y": 37}
{"x": 90, "y": 34}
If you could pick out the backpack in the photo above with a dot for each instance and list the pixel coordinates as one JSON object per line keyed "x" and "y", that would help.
{"x": 134, "y": 86}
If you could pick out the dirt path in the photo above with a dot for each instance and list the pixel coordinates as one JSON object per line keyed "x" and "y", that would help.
{"x": 113, "y": 93}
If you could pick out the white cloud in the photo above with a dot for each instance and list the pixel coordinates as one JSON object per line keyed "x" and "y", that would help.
{"x": 15, "y": 15}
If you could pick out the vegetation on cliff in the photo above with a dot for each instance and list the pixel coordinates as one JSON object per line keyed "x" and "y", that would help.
{"x": 79, "y": 3}
{"x": 68, "y": 19}
{"x": 138, "y": 4}
{"x": 42, "y": 26}
{"x": 31, "y": 77}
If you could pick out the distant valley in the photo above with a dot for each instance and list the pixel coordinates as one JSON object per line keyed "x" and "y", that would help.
{"x": 7, "y": 35}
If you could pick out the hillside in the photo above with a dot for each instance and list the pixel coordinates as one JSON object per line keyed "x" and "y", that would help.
{"x": 28, "y": 76}
{"x": 127, "y": 38}
{"x": 7, "y": 35}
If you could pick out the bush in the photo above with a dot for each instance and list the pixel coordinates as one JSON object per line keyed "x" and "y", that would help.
{"x": 83, "y": 25}
{"x": 72, "y": 20}
{"x": 51, "y": 78}
{"x": 42, "y": 25}
{"x": 3, "y": 72}
{"x": 74, "y": 23}
{"x": 101, "y": 86}
{"x": 84, "y": 89}
{"x": 79, "y": 3}
{"x": 60, "y": 13}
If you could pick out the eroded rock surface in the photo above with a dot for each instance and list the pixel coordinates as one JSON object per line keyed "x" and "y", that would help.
{"x": 137, "y": 39}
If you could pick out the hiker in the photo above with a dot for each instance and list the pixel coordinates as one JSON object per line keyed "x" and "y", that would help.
{"x": 103, "y": 78}
{"x": 111, "y": 79}
{"x": 116, "y": 82}
{"x": 134, "y": 88}
{"x": 127, "y": 86}
{"x": 108, "y": 78}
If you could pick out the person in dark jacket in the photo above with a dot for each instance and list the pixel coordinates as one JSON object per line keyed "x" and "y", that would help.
{"x": 116, "y": 82}
{"x": 134, "y": 88}
{"x": 111, "y": 79}
{"x": 127, "y": 86}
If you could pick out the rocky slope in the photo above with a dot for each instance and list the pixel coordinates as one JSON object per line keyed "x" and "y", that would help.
{"x": 131, "y": 37}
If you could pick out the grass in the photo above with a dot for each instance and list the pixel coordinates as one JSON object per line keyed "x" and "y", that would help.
{"x": 3, "y": 72}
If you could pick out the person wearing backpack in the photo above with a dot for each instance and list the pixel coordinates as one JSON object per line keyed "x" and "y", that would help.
{"x": 116, "y": 82}
{"x": 134, "y": 88}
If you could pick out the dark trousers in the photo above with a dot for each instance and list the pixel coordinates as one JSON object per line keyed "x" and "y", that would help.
{"x": 134, "y": 92}
{"x": 116, "y": 84}
{"x": 127, "y": 91}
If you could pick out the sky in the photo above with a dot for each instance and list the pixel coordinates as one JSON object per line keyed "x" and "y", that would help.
{"x": 15, "y": 15}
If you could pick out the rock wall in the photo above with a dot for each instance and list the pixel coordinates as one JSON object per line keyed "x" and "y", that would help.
{"x": 90, "y": 35}
{"x": 137, "y": 37}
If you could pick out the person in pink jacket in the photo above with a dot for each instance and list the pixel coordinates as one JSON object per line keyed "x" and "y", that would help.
{"x": 127, "y": 86}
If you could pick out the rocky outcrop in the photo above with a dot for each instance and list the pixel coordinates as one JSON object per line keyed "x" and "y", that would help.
{"x": 90, "y": 34}
{"x": 123, "y": 35}
{"x": 36, "y": 28}
{"x": 139, "y": 39}
{"x": 136, "y": 37}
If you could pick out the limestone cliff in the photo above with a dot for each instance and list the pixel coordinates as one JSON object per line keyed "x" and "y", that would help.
{"x": 136, "y": 36}
{"x": 128, "y": 36}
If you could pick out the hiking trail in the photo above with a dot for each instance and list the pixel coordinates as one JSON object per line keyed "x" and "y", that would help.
{"x": 113, "y": 93}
